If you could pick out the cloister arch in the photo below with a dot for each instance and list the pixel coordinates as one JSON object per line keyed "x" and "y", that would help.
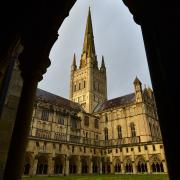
{"x": 42, "y": 165}
{"x": 159, "y": 51}
{"x": 156, "y": 164}
{"x": 128, "y": 165}
{"x": 117, "y": 165}
{"x": 73, "y": 160}
{"x": 141, "y": 165}
{"x": 59, "y": 162}
{"x": 28, "y": 164}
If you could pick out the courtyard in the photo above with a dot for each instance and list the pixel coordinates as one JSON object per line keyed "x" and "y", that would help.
{"x": 102, "y": 177}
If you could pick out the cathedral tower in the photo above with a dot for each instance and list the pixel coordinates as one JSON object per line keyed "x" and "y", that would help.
{"x": 88, "y": 85}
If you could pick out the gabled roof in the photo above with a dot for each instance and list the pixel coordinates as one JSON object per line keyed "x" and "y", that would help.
{"x": 117, "y": 102}
{"x": 56, "y": 100}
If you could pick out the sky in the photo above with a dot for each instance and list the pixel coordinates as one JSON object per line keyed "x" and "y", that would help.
{"x": 117, "y": 37}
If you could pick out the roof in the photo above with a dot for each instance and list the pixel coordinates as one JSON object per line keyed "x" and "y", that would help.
{"x": 117, "y": 102}
{"x": 56, "y": 100}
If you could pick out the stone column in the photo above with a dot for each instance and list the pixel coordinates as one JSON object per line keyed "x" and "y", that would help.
{"x": 90, "y": 165}
{"x": 148, "y": 167}
{"x": 50, "y": 166}
{"x": 165, "y": 166}
{"x": 112, "y": 168}
{"x": 34, "y": 167}
{"x": 66, "y": 166}
{"x": 122, "y": 168}
{"x": 32, "y": 67}
{"x": 134, "y": 168}
{"x": 79, "y": 165}
{"x": 100, "y": 167}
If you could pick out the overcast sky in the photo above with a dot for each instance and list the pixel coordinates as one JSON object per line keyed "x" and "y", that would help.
{"x": 116, "y": 36}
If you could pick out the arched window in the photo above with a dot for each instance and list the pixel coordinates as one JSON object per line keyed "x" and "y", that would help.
{"x": 106, "y": 133}
{"x": 84, "y": 84}
{"x": 86, "y": 121}
{"x": 45, "y": 115}
{"x": 119, "y": 132}
{"x": 75, "y": 88}
{"x": 96, "y": 123}
{"x": 133, "y": 130}
{"x": 106, "y": 118}
{"x": 150, "y": 127}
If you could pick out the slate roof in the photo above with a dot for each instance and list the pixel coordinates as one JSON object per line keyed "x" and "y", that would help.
{"x": 56, "y": 100}
{"x": 117, "y": 102}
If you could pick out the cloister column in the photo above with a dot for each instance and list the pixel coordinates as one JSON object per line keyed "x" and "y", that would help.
{"x": 79, "y": 165}
{"x": 134, "y": 168}
{"x": 66, "y": 166}
{"x": 50, "y": 166}
{"x": 33, "y": 64}
{"x": 90, "y": 165}
{"x": 34, "y": 166}
{"x": 100, "y": 166}
{"x": 122, "y": 168}
{"x": 148, "y": 167}
{"x": 165, "y": 166}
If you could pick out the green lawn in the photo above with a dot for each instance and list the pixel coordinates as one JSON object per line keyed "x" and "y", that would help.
{"x": 102, "y": 177}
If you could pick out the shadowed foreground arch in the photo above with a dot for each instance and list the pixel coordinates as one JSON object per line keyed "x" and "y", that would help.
{"x": 35, "y": 25}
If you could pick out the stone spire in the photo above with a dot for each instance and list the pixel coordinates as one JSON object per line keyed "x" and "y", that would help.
{"x": 102, "y": 64}
{"x": 88, "y": 46}
{"x": 73, "y": 66}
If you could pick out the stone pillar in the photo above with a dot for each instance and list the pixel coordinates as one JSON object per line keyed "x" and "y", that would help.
{"x": 122, "y": 168}
{"x": 79, "y": 165}
{"x": 148, "y": 167}
{"x": 90, "y": 165}
{"x": 165, "y": 166}
{"x": 32, "y": 67}
{"x": 66, "y": 166}
{"x": 50, "y": 166}
{"x": 134, "y": 168}
{"x": 112, "y": 168}
{"x": 100, "y": 167}
{"x": 34, "y": 167}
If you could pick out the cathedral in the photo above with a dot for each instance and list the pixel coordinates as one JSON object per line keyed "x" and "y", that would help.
{"x": 89, "y": 134}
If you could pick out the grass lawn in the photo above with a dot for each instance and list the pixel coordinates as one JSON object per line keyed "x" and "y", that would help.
{"x": 101, "y": 177}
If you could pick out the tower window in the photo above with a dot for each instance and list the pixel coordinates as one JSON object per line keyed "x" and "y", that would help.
{"x": 79, "y": 86}
{"x": 96, "y": 123}
{"x": 106, "y": 118}
{"x": 86, "y": 121}
{"x": 119, "y": 132}
{"x": 84, "y": 84}
{"x": 74, "y": 87}
{"x": 133, "y": 130}
{"x": 106, "y": 133}
{"x": 45, "y": 115}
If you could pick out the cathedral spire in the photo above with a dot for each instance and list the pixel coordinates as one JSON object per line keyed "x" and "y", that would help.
{"x": 89, "y": 37}
{"x": 73, "y": 66}
{"x": 102, "y": 64}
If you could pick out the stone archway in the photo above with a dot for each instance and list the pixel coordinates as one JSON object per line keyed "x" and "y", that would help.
{"x": 42, "y": 166}
{"x": 156, "y": 164}
{"x": 73, "y": 164}
{"x": 27, "y": 164}
{"x": 141, "y": 165}
{"x": 59, "y": 162}
{"x": 95, "y": 164}
{"x": 128, "y": 165}
{"x": 117, "y": 165}
{"x": 84, "y": 165}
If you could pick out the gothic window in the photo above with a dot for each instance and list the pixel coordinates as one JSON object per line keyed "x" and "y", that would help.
{"x": 133, "y": 130}
{"x": 61, "y": 119}
{"x": 119, "y": 131}
{"x": 84, "y": 84}
{"x": 86, "y": 121}
{"x": 150, "y": 127}
{"x": 45, "y": 115}
{"x": 74, "y": 87}
{"x": 96, "y": 123}
{"x": 106, "y": 134}
{"x": 79, "y": 86}
{"x": 154, "y": 148}
{"x": 74, "y": 123}
{"x": 106, "y": 118}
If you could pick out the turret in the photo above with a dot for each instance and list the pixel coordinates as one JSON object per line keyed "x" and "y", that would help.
{"x": 73, "y": 66}
{"x": 103, "y": 68}
{"x": 138, "y": 90}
